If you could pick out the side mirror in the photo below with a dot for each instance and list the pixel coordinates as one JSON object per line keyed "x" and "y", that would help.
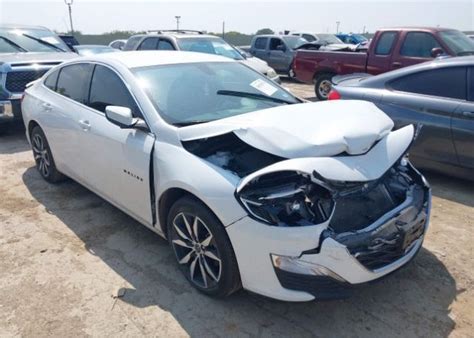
{"x": 120, "y": 116}
{"x": 435, "y": 52}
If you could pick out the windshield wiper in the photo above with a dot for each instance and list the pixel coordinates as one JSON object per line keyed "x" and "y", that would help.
{"x": 43, "y": 42}
{"x": 465, "y": 52}
{"x": 253, "y": 96}
{"x": 13, "y": 44}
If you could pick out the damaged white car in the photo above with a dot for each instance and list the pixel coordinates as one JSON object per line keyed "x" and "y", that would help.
{"x": 252, "y": 188}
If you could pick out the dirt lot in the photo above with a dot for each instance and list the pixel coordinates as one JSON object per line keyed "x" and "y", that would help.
{"x": 65, "y": 254}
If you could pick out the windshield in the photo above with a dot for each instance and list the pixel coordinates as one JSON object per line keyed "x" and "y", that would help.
{"x": 193, "y": 93}
{"x": 329, "y": 38}
{"x": 91, "y": 50}
{"x": 210, "y": 46}
{"x": 30, "y": 40}
{"x": 294, "y": 41}
{"x": 458, "y": 42}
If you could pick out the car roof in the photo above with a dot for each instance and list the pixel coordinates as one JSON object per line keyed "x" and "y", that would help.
{"x": 416, "y": 28}
{"x": 457, "y": 61}
{"x": 135, "y": 59}
{"x": 177, "y": 35}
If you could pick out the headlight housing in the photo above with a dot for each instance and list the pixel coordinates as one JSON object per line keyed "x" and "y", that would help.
{"x": 271, "y": 73}
{"x": 287, "y": 198}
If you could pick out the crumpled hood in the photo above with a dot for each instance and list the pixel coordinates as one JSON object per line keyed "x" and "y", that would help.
{"x": 318, "y": 129}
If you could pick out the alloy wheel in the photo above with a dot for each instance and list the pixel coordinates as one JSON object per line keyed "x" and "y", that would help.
{"x": 41, "y": 155}
{"x": 324, "y": 88}
{"x": 196, "y": 250}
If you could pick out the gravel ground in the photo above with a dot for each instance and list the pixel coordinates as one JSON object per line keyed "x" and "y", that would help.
{"x": 73, "y": 265}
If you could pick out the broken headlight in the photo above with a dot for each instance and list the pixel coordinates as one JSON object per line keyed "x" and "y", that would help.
{"x": 287, "y": 198}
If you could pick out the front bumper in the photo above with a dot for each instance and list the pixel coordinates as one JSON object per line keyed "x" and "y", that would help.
{"x": 307, "y": 263}
{"x": 10, "y": 111}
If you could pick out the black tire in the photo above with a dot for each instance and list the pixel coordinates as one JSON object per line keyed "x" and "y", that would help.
{"x": 43, "y": 156}
{"x": 322, "y": 86}
{"x": 210, "y": 277}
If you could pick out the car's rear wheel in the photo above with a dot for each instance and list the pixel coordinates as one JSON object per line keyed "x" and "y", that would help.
{"x": 323, "y": 85}
{"x": 43, "y": 157}
{"x": 202, "y": 248}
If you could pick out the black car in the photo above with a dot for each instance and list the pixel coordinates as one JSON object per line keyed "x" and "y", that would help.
{"x": 438, "y": 95}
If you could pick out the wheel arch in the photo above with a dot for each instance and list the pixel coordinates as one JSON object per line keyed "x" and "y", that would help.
{"x": 167, "y": 199}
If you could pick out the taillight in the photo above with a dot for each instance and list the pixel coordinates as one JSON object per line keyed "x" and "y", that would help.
{"x": 22, "y": 97}
{"x": 334, "y": 95}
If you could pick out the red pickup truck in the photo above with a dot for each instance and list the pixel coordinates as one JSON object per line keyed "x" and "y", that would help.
{"x": 391, "y": 48}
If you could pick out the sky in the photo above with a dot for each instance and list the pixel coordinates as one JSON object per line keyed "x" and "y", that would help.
{"x": 93, "y": 17}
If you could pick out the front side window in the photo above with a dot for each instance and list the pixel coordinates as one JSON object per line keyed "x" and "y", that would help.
{"x": 73, "y": 81}
{"x": 447, "y": 82}
{"x": 209, "y": 45}
{"x": 419, "y": 44}
{"x": 261, "y": 43}
{"x": 200, "y": 92}
{"x": 149, "y": 44}
{"x": 276, "y": 44}
{"x": 107, "y": 89}
{"x": 385, "y": 43}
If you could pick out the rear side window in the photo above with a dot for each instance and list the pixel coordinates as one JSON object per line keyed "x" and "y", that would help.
{"x": 261, "y": 43}
{"x": 73, "y": 81}
{"x": 149, "y": 44}
{"x": 419, "y": 44}
{"x": 51, "y": 80}
{"x": 385, "y": 43}
{"x": 107, "y": 89}
{"x": 165, "y": 45}
{"x": 471, "y": 84}
{"x": 447, "y": 82}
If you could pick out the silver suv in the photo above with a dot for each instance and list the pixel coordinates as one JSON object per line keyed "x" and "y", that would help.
{"x": 196, "y": 41}
{"x": 26, "y": 53}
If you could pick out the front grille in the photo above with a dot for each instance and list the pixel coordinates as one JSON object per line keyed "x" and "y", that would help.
{"x": 17, "y": 80}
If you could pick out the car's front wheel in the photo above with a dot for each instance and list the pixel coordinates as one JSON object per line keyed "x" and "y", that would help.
{"x": 43, "y": 157}
{"x": 202, "y": 248}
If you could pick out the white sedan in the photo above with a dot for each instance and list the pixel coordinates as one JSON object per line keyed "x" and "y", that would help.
{"x": 252, "y": 188}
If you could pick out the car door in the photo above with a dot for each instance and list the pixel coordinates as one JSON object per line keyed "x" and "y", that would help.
{"x": 62, "y": 115}
{"x": 463, "y": 126}
{"x": 381, "y": 58}
{"x": 277, "y": 57}
{"x": 414, "y": 48}
{"x": 117, "y": 161}
{"x": 428, "y": 98}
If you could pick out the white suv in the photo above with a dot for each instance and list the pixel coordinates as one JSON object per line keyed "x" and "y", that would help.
{"x": 252, "y": 188}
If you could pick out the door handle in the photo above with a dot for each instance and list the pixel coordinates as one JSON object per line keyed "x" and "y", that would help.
{"x": 469, "y": 114}
{"x": 46, "y": 106}
{"x": 85, "y": 125}
{"x": 397, "y": 64}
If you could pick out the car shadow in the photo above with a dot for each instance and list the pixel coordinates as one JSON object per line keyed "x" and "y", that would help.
{"x": 415, "y": 301}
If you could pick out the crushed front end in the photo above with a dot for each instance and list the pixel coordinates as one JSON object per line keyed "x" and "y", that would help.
{"x": 365, "y": 229}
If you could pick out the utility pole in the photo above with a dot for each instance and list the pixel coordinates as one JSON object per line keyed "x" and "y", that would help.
{"x": 177, "y": 17}
{"x": 337, "y": 26}
{"x": 69, "y": 5}
{"x": 223, "y": 29}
